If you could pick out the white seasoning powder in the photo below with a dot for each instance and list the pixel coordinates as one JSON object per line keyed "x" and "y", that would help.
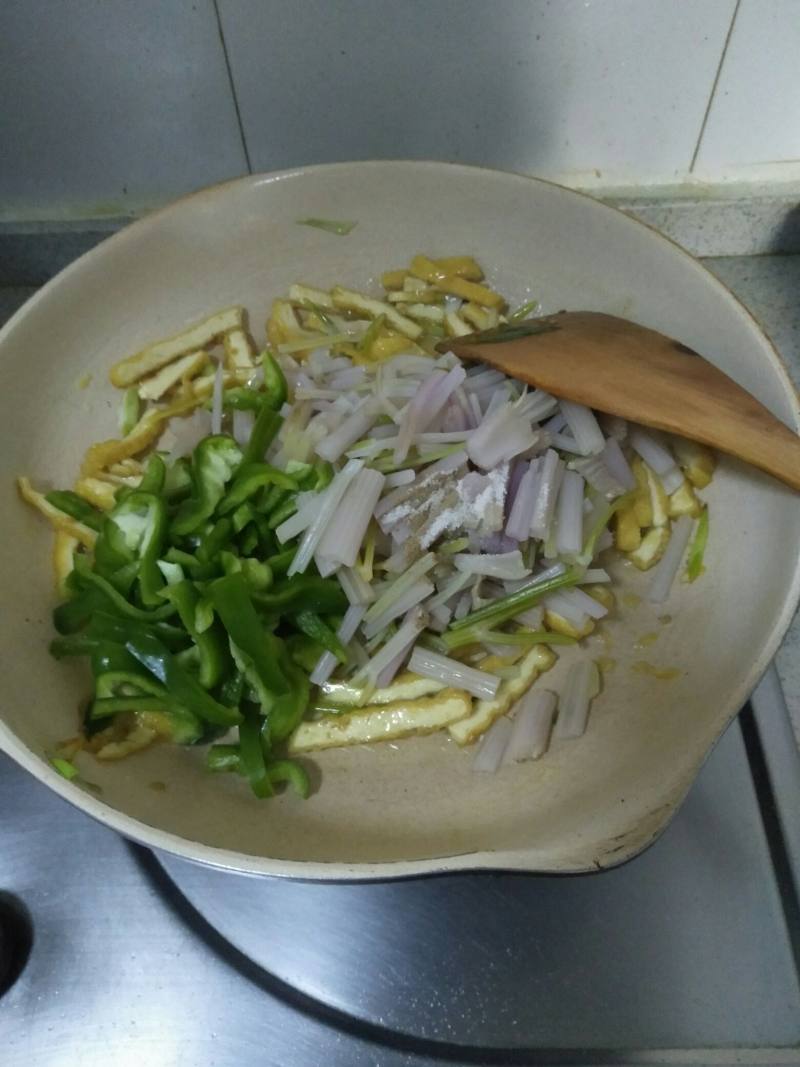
{"x": 476, "y": 503}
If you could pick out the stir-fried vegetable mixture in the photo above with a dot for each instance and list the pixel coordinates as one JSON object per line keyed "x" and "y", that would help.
{"x": 349, "y": 537}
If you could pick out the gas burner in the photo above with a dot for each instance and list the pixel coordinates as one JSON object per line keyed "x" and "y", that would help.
{"x": 16, "y": 939}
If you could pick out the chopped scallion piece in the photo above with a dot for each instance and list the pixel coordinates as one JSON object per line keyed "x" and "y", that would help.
{"x": 129, "y": 411}
{"x": 65, "y": 768}
{"x": 335, "y": 226}
{"x": 697, "y": 548}
{"x": 468, "y": 630}
{"x": 523, "y": 311}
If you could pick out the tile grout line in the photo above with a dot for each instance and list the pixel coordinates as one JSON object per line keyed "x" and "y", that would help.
{"x": 714, "y": 85}
{"x": 232, "y": 85}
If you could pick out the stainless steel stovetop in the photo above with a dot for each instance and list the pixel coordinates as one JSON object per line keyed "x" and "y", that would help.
{"x": 688, "y": 954}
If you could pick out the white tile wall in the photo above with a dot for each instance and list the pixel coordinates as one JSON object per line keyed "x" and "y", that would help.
{"x": 111, "y": 105}
{"x": 561, "y": 89}
{"x": 753, "y": 127}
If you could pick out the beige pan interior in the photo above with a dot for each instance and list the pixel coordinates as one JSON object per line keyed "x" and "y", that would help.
{"x": 416, "y": 806}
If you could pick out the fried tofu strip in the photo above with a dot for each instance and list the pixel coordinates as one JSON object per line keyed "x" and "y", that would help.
{"x": 485, "y": 712}
{"x": 152, "y": 358}
{"x": 382, "y": 722}
{"x": 182, "y": 370}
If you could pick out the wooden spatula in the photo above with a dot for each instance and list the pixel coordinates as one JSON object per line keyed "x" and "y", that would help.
{"x": 615, "y": 366}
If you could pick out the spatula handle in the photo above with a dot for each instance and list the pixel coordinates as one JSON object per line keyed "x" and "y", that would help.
{"x": 776, "y": 452}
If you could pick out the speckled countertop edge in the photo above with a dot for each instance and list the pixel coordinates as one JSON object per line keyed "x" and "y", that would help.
{"x": 705, "y": 221}
{"x": 730, "y": 226}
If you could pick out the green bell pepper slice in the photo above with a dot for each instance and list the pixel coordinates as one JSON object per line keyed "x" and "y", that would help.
{"x": 321, "y": 477}
{"x": 183, "y": 559}
{"x": 222, "y": 758}
{"x": 156, "y": 658}
{"x": 209, "y": 643}
{"x": 132, "y": 536}
{"x": 178, "y": 480}
{"x": 141, "y": 524}
{"x": 282, "y": 512}
{"x": 152, "y": 480}
{"x": 184, "y": 728}
{"x": 76, "y": 507}
{"x": 232, "y": 603}
{"x": 231, "y": 690}
{"x": 281, "y": 562}
{"x": 174, "y": 637}
{"x": 154, "y": 476}
{"x": 257, "y": 573}
{"x": 130, "y": 410}
{"x": 228, "y": 758}
{"x": 214, "y": 463}
{"x": 172, "y": 573}
{"x": 271, "y": 498}
{"x": 257, "y": 652}
{"x": 242, "y": 399}
{"x": 310, "y": 624}
{"x": 275, "y": 386}
{"x": 104, "y": 707}
{"x": 204, "y": 617}
{"x": 249, "y": 540}
{"x": 73, "y": 644}
{"x": 289, "y": 708}
{"x": 243, "y": 515}
{"x": 214, "y": 540}
{"x": 251, "y": 754}
{"x": 116, "y": 683}
{"x": 110, "y": 658}
{"x": 264, "y": 431}
{"x": 74, "y": 613}
{"x": 249, "y": 479}
{"x": 292, "y": 773}
{"x": 303, "y": 592}
{"x": 113, "y": 598}
{"x": 230, "y": 562}
{"x": 305, "y": 651}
